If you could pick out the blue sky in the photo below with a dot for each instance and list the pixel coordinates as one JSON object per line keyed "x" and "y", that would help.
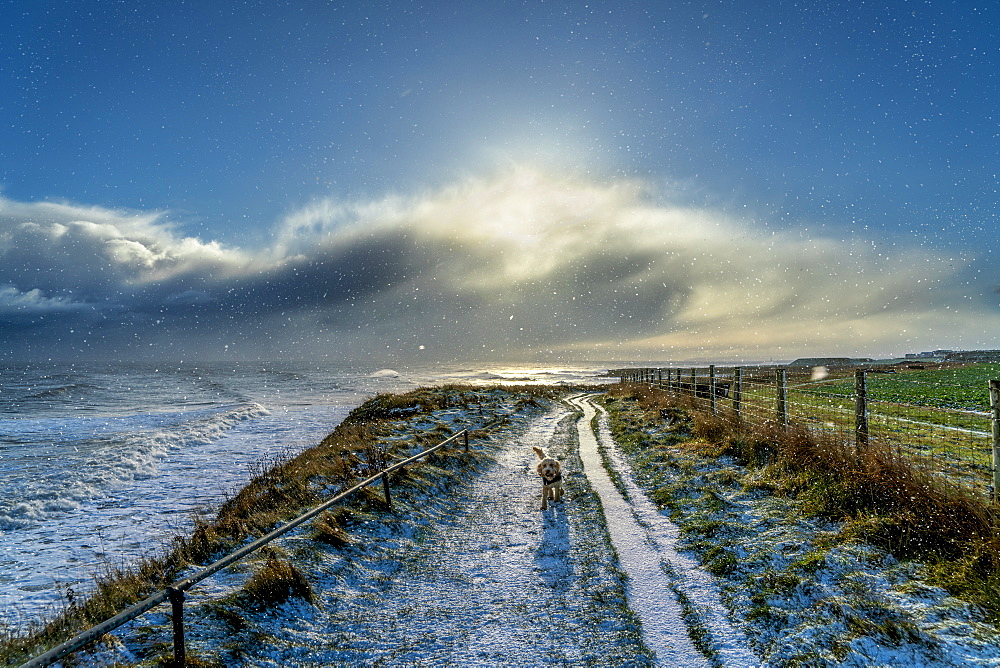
{"x": 721, "y": 180}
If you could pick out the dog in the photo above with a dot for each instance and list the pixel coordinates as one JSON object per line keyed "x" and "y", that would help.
{"x": 550, "y": 471}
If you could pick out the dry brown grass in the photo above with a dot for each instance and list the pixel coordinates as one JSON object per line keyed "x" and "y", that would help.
{"x": 327, "y": 529}
{"x": 880, "y": 497}
{"x": 277, "y": 581}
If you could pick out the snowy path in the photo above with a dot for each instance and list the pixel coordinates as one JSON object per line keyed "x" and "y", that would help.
{"x": 491, "y": 581}
{"x": 474, "y": 574}
{"x": 644, "y": 540}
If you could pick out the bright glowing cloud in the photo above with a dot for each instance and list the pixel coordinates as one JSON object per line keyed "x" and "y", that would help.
{"x": 521, "y": 263}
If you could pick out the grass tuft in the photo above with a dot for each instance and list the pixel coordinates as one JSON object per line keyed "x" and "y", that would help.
{"x": 327, "y": 529}
{"x": 276, "y": 582}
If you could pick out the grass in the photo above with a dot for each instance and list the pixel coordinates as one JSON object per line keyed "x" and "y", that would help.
{"x": 276, "y": 582}
{"x": 879, "y": 497}
{"x": 960, "y": 387}
{"x": 277, "y": 490}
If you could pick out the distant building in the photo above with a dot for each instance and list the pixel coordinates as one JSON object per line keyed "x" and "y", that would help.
{"x": 934, "y": 354}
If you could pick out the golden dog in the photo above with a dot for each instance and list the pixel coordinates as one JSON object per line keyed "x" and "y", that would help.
{"x": 551, "y": 472}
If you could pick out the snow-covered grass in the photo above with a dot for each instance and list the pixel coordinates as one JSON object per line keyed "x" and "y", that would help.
{"x": 684, "y": 622}
{"x": 802, "y": 591}
{"x": 465, "y": 568}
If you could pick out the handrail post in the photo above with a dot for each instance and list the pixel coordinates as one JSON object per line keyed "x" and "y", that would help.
{"x": 860, "y": 409}
{"x": 177, "y": 618}
{"x": 385, "y": 486}
{"x": 995, "y": 409}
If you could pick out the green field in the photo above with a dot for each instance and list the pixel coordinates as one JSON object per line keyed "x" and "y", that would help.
{"x": 963, "y": 388}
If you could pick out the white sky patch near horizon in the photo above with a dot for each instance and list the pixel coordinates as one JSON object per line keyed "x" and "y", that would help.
{"x": 520, "y": 261}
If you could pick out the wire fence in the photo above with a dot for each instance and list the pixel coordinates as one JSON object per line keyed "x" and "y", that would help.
{"x": 944, "y": 420}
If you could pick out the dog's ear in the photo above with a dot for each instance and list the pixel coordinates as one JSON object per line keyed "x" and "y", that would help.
{"x": 538, "y": 468}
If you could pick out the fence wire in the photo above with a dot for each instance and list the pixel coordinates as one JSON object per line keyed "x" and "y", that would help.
{"x": 940, "y": 420}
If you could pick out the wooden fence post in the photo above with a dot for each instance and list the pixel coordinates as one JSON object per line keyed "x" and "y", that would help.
{"x": 995, "y": 409}
{"x": 860, "y": 409}
{"x": 782, "y": 383}
{"x": 711, "y": 388}
{"x": 694, "y": 383}
{"x": 176, "y": 597}
{"x": 738, "y": 391}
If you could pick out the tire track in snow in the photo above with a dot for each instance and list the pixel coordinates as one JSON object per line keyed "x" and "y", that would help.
{"x": 642, "y": 547}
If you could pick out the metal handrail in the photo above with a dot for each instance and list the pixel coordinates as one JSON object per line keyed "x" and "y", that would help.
{"x": 174, "y": 593}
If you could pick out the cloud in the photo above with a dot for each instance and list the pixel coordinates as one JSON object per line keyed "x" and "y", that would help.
{"x": 13, "y": 301}
{"x": 519, "y": 263}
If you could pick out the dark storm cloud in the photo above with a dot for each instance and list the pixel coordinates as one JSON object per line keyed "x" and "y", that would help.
{"x": 517, "y": 264}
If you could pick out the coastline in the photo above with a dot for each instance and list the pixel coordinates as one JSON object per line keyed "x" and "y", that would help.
{"x": 277, "y": 490}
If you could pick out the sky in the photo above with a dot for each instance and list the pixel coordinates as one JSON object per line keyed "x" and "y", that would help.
{"x": 526, "y": 181}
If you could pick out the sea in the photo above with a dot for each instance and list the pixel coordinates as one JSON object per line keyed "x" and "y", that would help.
{"x": 102, "y": 464}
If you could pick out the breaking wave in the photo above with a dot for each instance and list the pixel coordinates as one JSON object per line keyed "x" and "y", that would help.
{"x": 110, "y": 454}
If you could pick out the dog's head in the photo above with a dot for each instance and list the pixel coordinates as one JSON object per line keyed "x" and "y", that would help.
{"x": 548, "y": 468}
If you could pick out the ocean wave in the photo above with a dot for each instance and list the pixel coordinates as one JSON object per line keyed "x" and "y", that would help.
{"x": 90, "y": 469}
{"x": 8, "y": 523}
{"x": 60, "y": 391}
{"x": 211, "y": 427}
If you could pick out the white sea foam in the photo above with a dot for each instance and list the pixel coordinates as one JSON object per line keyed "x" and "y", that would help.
{"x": 115, "y": 455}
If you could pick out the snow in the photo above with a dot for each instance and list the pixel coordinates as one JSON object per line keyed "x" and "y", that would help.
{"x": 468, "y": 571}
{"x": 649, "y": 590}
{"x": 798, "y": 594}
